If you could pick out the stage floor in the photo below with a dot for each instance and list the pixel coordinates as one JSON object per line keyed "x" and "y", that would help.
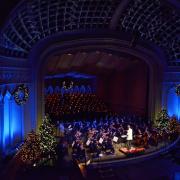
{"x": 118, "y": 155}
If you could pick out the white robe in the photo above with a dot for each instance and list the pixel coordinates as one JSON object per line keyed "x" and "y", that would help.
{"x": 129, "y": 134}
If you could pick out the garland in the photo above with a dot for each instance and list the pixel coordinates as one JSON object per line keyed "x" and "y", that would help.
{"x": 21, "y": 94}
{"x": 177, "y": 90}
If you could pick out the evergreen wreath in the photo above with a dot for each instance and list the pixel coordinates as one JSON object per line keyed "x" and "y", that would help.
{"x": 177, "y": 90}
{"x": 21, "y": 94}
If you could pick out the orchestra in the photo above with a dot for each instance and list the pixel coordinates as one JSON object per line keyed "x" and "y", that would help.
{"x": 99, "y": 137}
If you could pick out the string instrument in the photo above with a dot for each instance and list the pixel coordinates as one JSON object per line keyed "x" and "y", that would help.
{"x": 145, "y": 140}
{"x": 78, "y": 134}
{"x": 148, "y": 133}
{"x": 105, "y": 135}
{"x": 138, "y": 140}
{"x": 154, "y": 138}
{"x": 91, "y": 133}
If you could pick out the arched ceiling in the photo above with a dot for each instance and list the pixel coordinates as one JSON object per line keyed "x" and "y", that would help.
{"x": 154, "y": 21}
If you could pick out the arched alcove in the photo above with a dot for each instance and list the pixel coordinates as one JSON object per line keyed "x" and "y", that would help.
{"x": 6, "y": 140}
{"x": 173, "y": 102}
{"x": 12, "y": 124}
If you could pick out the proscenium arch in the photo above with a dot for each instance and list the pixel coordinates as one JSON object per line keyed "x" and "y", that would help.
{"x": 40, "y": 53}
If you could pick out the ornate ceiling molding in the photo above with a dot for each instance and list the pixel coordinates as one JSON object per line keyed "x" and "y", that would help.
{"x": 14, "y": 75}
{"x": 156, "y": 22}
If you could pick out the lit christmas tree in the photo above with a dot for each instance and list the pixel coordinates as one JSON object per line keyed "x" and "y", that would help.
{"x": 174, "y": 126}
{"x": 47, "y": 139}
{"x": 162, "y": 120}
{"x": 30, "y": 152}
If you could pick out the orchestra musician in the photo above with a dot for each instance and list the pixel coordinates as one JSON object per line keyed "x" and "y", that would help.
{"x": 97, "y": 137}
{"x": 138, "y": 138}
{"x": 78, "y": 135}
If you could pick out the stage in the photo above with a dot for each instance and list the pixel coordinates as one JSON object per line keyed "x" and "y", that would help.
{"x": 118, "y": 154}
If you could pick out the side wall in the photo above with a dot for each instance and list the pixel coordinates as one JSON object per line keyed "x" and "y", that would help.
{"x": 15, "y": 120}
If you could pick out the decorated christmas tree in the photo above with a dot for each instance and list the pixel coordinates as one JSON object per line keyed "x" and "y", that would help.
{"x": 30, "y": 152}
{"x": 47, "y": 139}
{"x": 174, "y": 126}
{"x": 162, "y": 120}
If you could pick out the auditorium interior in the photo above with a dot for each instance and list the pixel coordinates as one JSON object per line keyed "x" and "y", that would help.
{"x": 90, "y": 89}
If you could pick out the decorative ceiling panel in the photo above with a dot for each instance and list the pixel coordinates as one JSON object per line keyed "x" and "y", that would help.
{"x": 154, "y": 21}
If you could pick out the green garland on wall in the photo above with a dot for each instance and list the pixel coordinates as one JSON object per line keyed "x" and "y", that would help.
{"x": 21, "y": 94}
{"x": 177, "y": 90}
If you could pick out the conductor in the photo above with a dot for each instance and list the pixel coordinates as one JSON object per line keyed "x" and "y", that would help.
{"x": 129, "y": 136}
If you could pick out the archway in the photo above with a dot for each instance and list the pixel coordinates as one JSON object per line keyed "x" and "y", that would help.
{"x": 114, "y": 45}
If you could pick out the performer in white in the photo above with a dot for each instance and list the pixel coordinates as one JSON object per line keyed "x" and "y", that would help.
{"x": 129, "y": 136}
